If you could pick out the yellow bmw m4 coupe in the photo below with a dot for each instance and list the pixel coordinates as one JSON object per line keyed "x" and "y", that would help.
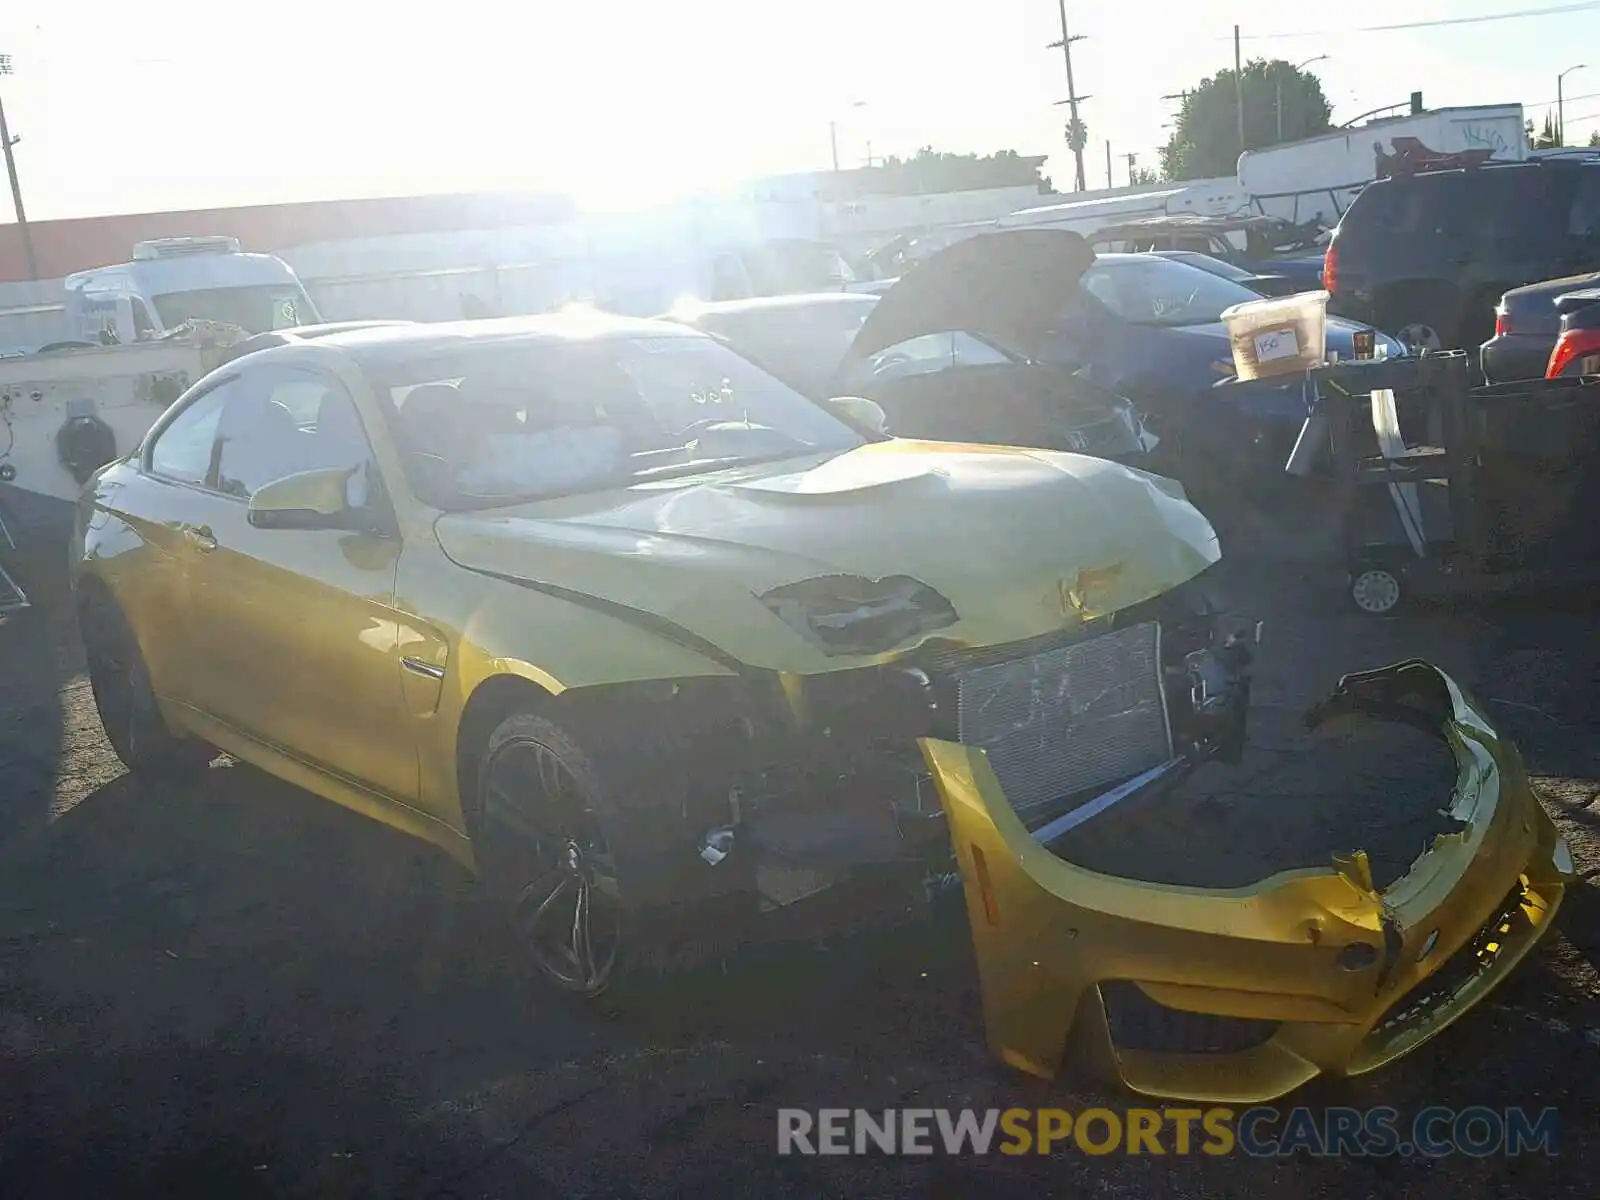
{"x": 656, "y": 645}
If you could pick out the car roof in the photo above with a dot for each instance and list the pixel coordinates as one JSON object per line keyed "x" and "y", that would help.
{"x": 1121, "y": 257}
{"x": 377, "y": 343}
{"x": 1521, "y": 164}
{"x": 713, "y": 308}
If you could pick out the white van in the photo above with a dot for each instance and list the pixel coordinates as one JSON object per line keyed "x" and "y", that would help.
{"x": 173, "y": 280}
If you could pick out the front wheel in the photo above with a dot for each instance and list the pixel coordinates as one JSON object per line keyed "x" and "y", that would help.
{"x": 126, "y": 703}
{"x": 590, "y": 857}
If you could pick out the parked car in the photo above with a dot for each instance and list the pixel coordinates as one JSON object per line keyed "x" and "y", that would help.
{"x": 1577, "y": 349}
{"x": 1425, "y": 257}
{"x": 1265, "y": 285}
{"x": 943, "y": 351}
{"x": 1527, "y": 322}
{"x": 642, "y": 634}
{"x": 1264, "y": 247}
{"x": 1151, "y": 329}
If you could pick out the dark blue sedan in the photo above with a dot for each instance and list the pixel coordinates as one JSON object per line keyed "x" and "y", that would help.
{"x": 1150, "y": 328}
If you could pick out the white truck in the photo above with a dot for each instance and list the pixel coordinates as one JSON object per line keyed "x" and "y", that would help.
{"x": 139, "y": 333}
{"x": 174, "y": 280}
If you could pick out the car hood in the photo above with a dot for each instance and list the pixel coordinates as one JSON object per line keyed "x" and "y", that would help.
{"x": 1019, "y": 543}
{"x": 1008, "y": 286}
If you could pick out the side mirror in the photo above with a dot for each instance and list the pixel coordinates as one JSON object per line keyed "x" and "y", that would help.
{"x": 858, "y": 410}
{"x": 309, "y": 500}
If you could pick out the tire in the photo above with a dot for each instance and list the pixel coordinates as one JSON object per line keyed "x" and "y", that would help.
{"x": 587, "y": 849}
{"x": 127, "y": 706}
{"x": 1376, "y": 591}
{"x": 1423, "y": 317}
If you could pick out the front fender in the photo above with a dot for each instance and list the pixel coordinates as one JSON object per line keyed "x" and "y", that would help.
{"x": 553, "y": 645}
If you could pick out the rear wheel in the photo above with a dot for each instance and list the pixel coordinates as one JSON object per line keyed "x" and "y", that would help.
{"x": 1422, "y": 317}
{"x": 123, "y": 697}
{"x": 1376, "y": 591}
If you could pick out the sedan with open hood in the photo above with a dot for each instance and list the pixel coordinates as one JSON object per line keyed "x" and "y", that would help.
{"x": 944, "y": 351}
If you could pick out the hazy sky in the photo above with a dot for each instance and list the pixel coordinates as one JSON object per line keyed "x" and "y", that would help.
{"x": 127, "y": 107}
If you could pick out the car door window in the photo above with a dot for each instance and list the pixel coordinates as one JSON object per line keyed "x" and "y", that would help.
{"x": 1583, "y": 216}
{"x": 183, "y": 450}
{"x": 285, "y": 422}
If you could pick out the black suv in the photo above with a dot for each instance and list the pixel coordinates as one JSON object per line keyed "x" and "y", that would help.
{"x": 1426, "y": 257}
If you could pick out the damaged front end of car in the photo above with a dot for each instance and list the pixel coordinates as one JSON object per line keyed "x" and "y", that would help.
{"x": 824, "y": 775}
{"x": 1241, "y": 995}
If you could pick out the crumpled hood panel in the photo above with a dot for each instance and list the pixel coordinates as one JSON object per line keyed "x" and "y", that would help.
{"x": 1001, "y": 533}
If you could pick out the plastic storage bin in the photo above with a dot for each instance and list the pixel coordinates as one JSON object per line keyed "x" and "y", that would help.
{"x": 1284, "y": 335}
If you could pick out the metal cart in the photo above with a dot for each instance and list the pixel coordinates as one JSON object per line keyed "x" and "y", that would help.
{"x": 1504, "y": 496}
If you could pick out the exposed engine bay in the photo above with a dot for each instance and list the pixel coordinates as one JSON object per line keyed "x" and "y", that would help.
{"x": 810, "y": 780}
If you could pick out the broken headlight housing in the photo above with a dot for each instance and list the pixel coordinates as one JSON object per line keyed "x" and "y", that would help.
{"x": 850, "y": 614}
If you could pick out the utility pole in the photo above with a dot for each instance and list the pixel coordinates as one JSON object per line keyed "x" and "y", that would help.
{"x": 1238, "y": 83}
{"x": 1074, "y": 125}
{"x": 1131, "y": 159}
{"x": 1109, "y": 184}
{"x": 9, "y": 142}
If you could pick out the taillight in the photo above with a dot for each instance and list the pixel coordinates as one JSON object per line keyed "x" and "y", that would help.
{"x": 1502, "y": 322}
{"x": 1330, "y": 267}
{"x": 1572, "y": 345}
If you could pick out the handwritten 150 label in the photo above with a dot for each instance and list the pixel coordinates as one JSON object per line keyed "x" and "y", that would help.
{"x": 1280, "y": 343}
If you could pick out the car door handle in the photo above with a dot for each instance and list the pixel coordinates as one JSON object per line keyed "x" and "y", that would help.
{"x": 200, "y": 537}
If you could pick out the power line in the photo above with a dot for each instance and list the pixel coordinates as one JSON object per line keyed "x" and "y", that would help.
{"x": 1513, "y": 15}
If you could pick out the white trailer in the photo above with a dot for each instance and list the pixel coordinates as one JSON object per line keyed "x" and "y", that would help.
{"x": 1316, "y": 179}
{"x": 1206, "y": 197}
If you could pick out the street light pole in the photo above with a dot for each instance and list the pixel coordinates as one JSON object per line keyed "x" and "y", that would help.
{"x": 1561, "y": 104}
{"x": 1298, "y": 67}
{"x": 8, "y": 142}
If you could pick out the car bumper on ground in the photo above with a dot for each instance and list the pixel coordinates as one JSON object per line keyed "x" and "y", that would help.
{"x": 1241, "y": 996}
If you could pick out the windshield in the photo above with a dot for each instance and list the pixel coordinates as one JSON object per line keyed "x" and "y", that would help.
{"x": 1160, "y": 291}
{"x": 1204, "y": 262}
{"x": 801, "y": 344}
{"x": 502, "y": 424}
{"x": 781, "y": 266}
{"x": 257, "y": 309}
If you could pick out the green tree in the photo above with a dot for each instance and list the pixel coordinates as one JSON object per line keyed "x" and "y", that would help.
{"x": 1594, "y": 138}
{"x": 1281, "y": 104}
{"x": 930, "y": 170}
{"x": 1142, "y": 175}
{"x": 1546, "y": 138}
{"x": 1077, "y": 135}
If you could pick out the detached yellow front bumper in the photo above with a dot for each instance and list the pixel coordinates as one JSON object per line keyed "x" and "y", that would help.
{"x": 1240, "y": 996}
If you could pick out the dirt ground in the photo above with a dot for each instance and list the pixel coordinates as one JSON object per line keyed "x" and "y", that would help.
{"x": 240, "y": 990}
